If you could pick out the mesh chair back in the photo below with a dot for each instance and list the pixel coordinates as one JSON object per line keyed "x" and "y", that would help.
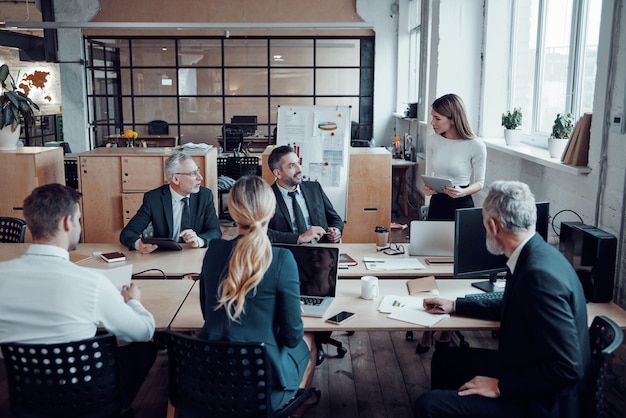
{"x": 77, "y": 379}
{"x": 12, "y": 230}
{"x": 221, "y": 379}
{"x": 158, "y": 127}
{"x": 604, "y": 337}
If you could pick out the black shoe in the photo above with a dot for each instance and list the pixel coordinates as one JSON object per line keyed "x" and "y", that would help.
{"x": 421, "y": 349}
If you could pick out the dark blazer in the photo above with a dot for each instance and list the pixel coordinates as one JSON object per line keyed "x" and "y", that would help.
{"x": 321, "y": 213}
{"x": 157, "y": 208}
{"x": 272, "y": 313}
{"x": 544, "y": 353}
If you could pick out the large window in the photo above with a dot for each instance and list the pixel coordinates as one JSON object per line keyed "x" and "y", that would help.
{"x": 198, "y": 84}
{"x": 553, "y": 63}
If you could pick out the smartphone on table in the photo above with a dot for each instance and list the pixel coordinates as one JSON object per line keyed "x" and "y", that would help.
{"x": 341, "y": 317}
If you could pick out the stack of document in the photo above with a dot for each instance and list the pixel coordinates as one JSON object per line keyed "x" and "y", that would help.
{"x": 382, "y": 264}
{"x": 194, "y": 146}
{"x": 409, "y": 309}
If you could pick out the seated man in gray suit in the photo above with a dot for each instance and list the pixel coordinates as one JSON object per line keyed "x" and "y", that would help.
{"x": 303, "y": 211}
{"x": 182, "y": 210}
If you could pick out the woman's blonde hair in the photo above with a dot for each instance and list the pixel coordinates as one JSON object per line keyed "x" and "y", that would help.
{"x": 453, "y": 108}
{"x": 251, "y": 204}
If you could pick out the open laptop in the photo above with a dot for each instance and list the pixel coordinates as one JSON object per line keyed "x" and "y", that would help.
{"x": 317, "y": 268}
{"x": 433, "y": 238}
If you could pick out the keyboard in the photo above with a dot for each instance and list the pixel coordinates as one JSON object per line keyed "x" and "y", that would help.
{"x": 310, "y": 300}
{"x": 485, "y": 296}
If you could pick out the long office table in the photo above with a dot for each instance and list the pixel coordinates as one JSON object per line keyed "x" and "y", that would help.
{"x": 176, "y": 264}
{"x": 368, "y": 318}
{"x": 163, "y": 298}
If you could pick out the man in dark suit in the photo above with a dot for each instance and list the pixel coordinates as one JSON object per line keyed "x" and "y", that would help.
{"x": 313, "y": 218}
{"x": 542, "y": 363}
{"x": 182, "y": 210}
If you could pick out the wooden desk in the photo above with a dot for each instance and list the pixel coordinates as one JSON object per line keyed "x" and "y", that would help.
{"x": 150, "y": 140}
{"x": 358, "y": 251}
{"x": 368, "y": 318}
{"x": 176, "y": 264}
{"x": 163, "y": 298}
{"x": 399, "y": 169}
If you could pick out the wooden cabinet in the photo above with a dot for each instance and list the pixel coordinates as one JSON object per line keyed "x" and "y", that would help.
{"x": 23, "y": 169}
{"x": 113, "y": 181}
{"x": 369, "y": 192}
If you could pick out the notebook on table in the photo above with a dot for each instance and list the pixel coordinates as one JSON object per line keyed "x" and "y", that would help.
{"x": 433, "y": 238}
{"x": 317, "y": 269}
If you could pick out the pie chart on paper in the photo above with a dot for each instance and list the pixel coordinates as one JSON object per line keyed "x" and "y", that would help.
{"x": 327, "y": 126}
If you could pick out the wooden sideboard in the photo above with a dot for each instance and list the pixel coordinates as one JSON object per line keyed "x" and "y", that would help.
{"x": 23, "y": 169}
{"x": 114, "y": 180}
{"x": 369, "y": 192}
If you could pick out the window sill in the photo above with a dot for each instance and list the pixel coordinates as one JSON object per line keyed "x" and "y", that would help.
{"x": 534, "y": 154}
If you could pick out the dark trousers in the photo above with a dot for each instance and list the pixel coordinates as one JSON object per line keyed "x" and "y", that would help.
{"x": 442, "y": 207}
{"x": 451, "y": 368}
{"x": 135, "y": 361}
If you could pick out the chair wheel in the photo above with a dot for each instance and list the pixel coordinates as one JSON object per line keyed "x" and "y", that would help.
{"x": 464, "y": 344}
{"x": 409, "y": 335}
{"x": 341, "y": 352}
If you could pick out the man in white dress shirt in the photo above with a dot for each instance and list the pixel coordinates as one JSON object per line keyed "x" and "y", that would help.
{"x": 45, "y": 298}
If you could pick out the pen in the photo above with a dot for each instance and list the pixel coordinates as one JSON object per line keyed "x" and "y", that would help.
{"x": 433, "y": 306}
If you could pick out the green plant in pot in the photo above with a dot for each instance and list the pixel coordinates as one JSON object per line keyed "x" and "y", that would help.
{"x": 561, "y": 132}
{"x": 14, "y": 103}
{"x": 512, "y": 120}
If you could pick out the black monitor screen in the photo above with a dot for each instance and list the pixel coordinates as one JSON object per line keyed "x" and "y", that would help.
{"x": 247, "y": 123}
{"x": 471, "y": 257}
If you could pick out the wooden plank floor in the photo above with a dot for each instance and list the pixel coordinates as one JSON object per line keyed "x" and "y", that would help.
{"x": 380, "y": 377}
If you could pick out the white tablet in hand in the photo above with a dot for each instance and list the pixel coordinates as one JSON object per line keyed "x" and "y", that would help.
{"x": 437, "y": 183}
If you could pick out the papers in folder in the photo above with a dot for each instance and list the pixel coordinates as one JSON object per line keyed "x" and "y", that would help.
{"x": 409, "y": 309}
{"x": 383, "y": 264}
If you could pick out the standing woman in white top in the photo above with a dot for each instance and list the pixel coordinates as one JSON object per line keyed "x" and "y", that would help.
{"x": 452, "y": 152}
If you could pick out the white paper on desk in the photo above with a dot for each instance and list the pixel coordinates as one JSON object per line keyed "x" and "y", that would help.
{"x": 383, "y": 264}
{"x": 119, "y": 276}
{"x": 390, "y": 303}
{"x": 192, "y": 145}
{"x": 417, "y": 316}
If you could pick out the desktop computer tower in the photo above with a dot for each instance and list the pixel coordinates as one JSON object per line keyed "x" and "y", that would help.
{"x": 592, "y": 252}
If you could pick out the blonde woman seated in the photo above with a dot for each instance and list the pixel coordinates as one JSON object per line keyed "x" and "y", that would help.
{"x": 250, "y": 292}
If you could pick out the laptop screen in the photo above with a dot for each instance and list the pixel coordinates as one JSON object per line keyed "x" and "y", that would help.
{"x": 317, "y": 267}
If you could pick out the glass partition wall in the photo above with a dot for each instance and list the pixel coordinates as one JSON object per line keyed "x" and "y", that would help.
{"x": 197, "y": 85}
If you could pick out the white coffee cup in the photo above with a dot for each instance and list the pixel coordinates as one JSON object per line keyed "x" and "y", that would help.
{"x": 369, "y": 287}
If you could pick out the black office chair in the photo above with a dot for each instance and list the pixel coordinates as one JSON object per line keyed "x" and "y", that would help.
{"x": 222, "y": 379}
{"x": 604, "y": 337}
{"x": 233, "y": 168}
{"x": 233, "y": 139}
{"x": 158, "y": 127}
{"x": 77, "y": 379}
{"x": 12, "y": 230}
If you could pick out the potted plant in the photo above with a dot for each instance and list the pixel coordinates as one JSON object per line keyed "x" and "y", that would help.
{"x": 511, "y": 122}
{"x": 561, "y": 132}
{"x": 13, "y": 103}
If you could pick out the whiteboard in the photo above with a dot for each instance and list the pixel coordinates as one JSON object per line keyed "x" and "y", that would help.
{"x": 320, "y": 135}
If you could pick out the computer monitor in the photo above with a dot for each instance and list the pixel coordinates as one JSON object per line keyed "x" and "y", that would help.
{"x": 247, "y": 123}
{"x": 471, "y": 257}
